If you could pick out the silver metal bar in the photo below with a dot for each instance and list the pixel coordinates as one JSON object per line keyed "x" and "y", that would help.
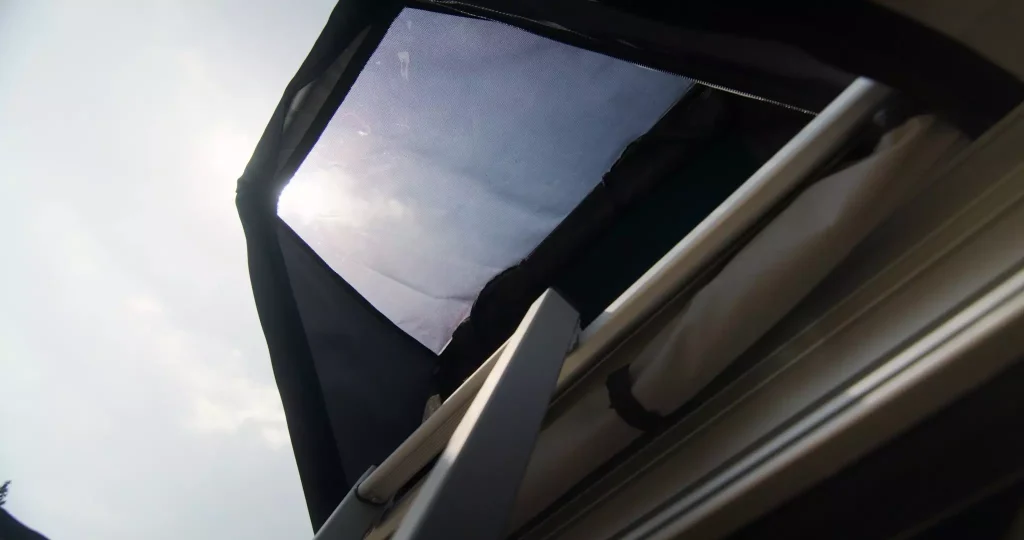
{"x": 815, "y": 143}
{"x": 471, "y": 489}
{"x": 352, "y": 517}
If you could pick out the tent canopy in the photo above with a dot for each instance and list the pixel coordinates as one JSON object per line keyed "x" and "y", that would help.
{"x": 446, "y": 168}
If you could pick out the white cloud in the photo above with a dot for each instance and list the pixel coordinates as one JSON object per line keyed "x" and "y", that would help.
{"x": 143, "y": 305}
{"x": 277, "y": 437}
{"x": 218, "y": 397}
{"x": 224, "y": 153}
{"x": 228, "y": 404}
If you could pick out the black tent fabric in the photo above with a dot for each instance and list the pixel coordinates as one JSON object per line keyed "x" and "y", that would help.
{"x": 353, "y": 384}
{"x": 322, "y": 454}
{"x": 360, "y": 358}
{"x": 794, "y": 53}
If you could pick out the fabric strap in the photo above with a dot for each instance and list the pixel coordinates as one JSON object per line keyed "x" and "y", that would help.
{"x": 625, "y": 404}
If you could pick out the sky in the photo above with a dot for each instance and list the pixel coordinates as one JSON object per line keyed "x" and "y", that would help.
{"x": 137, "y": 395}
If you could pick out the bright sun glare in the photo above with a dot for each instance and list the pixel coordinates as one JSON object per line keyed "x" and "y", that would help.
{"x": 305, "y": 200}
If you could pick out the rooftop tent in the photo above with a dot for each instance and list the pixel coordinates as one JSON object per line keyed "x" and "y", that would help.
{"x": 445, "y": 169}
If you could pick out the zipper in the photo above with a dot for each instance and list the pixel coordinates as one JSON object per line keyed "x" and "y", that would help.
{"x": 719, "y": 87}
{"x": 455, "y": 5}
{"x": 750, "y": 96}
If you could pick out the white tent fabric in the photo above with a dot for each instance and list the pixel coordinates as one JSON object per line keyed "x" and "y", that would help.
{"x": 460, "y": 147}
{"x": 764, "y": 281}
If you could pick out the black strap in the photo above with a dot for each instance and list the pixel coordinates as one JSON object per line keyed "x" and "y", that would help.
{"x": 632, "y": 412}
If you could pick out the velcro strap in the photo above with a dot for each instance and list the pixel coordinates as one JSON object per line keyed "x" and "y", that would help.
{"x": 620, "y": 394}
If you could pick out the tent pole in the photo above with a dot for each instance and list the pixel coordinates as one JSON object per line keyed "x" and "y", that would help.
{"x": 471, "y": 490}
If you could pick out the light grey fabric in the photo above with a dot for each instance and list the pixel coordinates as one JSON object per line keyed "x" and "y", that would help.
{"x": 769, "y": 276}
{"x": 784, "y": 262}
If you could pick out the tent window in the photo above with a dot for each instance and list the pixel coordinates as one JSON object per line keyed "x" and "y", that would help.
{"x": 462, "y": 144}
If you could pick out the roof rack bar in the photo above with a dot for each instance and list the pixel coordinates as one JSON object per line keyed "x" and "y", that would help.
{"x": 470, "y": 491}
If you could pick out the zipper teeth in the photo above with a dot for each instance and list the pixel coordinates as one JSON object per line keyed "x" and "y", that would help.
{"x": 455, "y": 5}
{"x": 752, "y": 96}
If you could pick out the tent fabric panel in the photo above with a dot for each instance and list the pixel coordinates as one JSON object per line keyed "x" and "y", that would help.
{"x": 374, "y": 378}
{"x": 784, "y": 261}
{"x": 309, "y": 427}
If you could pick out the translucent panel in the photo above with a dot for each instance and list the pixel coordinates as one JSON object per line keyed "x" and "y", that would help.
{"x": 462, "y": 145}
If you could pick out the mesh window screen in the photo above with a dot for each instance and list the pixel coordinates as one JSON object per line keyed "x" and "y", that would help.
{"x": 462, "y": 144}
